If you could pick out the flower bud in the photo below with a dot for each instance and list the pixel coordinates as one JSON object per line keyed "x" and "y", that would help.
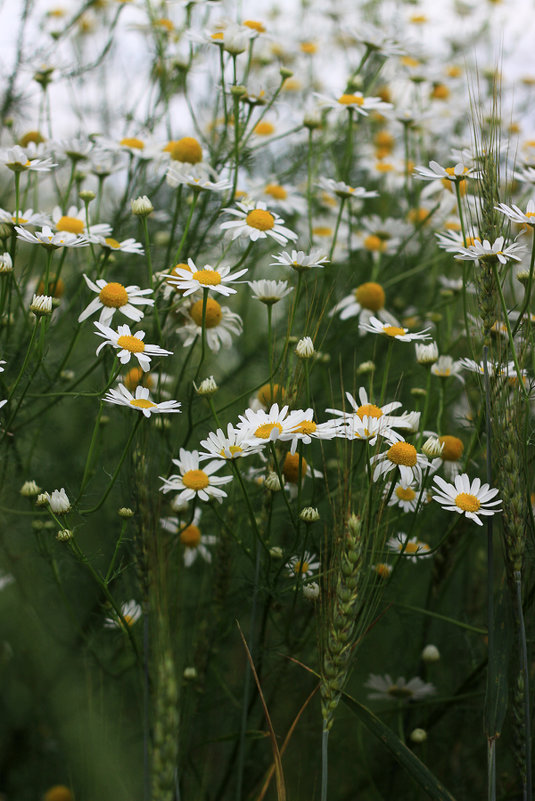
{"x": 59, "y": 502}
{"x": 64, "y": 535}
{"x": 365, "y": 367}
{"x": 190, "y": 673}
{"x": 275, "y": 552}
{"x": 29, "y": 489}
{"x": 311, "y": 591}
{"x": 86, "y": 195}
{"x": 125, "y": 512}
{"x": 41, "y": 305}
{"x": 6, "y": 264}
{"x": 207, "y": 387}
{"x": 305, "y": 348}
{"x": 272, "y": 483}
{"x": 43, "y": 499}
{"x": 432, "y": 447}
{"x": 426, "y": 354}
{"x": 309, "y": 514}
{"x": 418, "y": 736}
{"x": 141, "y": 206}
{"x": 430, "y": 653}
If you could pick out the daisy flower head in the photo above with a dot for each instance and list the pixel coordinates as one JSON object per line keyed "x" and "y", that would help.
{"x": 130, "y": 612}
{"x": 375, "y": 326}
{"x": 300, "y": 261}
{"x": 384, "y": 689}
{"x": 220, "y": 324}
{"x": 451, "y": 453}
{"x": 264, "y": 427}
{"x": 112, "y": 296}
{"x": 191, "y": 537}
{"x": 470, "y": 498}
{"x": 447, "y": 367}
{"x": 479, "y": 251}
{"x": 196, "y": 177}
{"x": 270, "y": 292}
{"x": 193, "y": 482}
{"x": 366, "y": 421}
{"x": 74, "y": 222}
{"x": 256, "y": 222}
{"x": 129, "y": 345}
{"x": 234, "y": 444}
{"x": 354, "y": 102}
{"x": 303, "y": 566}
{"x": 403, "y": 495}
{"x": 217, "y": 279}
{"x": 141, "y": 401}
{"x": 52, "y": 239}
{"x": 401, "y": 455}
{"x": 516, "y": 215}
{"x": 455, "y": 174}
{"x": 126, "y": 246}
{"x": 365, "y": 301}
{"x": 20, "y": 160}
{"x": 308, "y": 430}
{"x": 343, "y": 190}
{"x": 413, "y": 548}
{"x": 28, "y": 217}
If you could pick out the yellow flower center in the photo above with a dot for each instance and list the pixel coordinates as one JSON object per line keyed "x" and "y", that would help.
{"x": 56, "y": 287}
{"x": 322, "y": 230}
{"x": 451, "y": 171}
{"x": 402, "y": 453}
{"x": 267, "y": 396}
{"x": 467, "y": 502}
{"x": 212, "y": 316}
{"x": 308, "y": 47}
{"x": 218, "y": 35}
{"x": 348, "y": 100}
{"x": 133, "y": 344}
{"x": 290, "y": 468}
{"x": 369, "y": 410}
{"x": 133, "y": 142}
{"x": 254, "y": 25}
{"x": 263, "y": 431}
{"x": 374, "y": 242}
{"x": 186, "y": 149}
{"x": 440, "y": 92}
{"x": 384, "y": 139}
{"x": 405, "y": 493}
{"x": 191, "y": 536}
{"x": 383, "y": 570}
{"x": 301, "y": 567}
{"x": 142, "y": 403}
{"x": 411, "y": 547}
{"x": 394, "y": 331}
{"x": 19, "y": 220}
{"x": 207, "y": 277}
{"x": 71, "y": 224}
{"x": 31, "y": 136}
{"x": 195, "y": 479}
{"x": 306, "y": 427}
{"x": 233, "y": 449}
{"x": 399, "y": 692}
{"x": 419, "y": 215}
{"x": 133, "y": 378}
{"x": 453, "y": 448}
{"x": 174, "y": 272}
{"x": 260, "y": 219}
{"x": 163, "y": 22}
{"x": 113, "y": 295}
{"x": 112, "y": 243}
{"x": 276, "y": 191}
{"x": 409, "y": 61}
{"x": 384, "y": 166}
{"x": 58, "y": 793}
{"x": 264, "y": 128}
{"x": 370, "y": 296}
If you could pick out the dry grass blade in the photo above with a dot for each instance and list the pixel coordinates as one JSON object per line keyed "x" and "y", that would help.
{"x": 291, "y": 730}
{"x": 281, "y": 789}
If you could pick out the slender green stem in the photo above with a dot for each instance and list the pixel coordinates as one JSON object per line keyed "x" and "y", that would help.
{"x": 386, "y": 370}
{"x": 324, "y": 763}
{"x": 336, "y": 228}
{"x": 269, "y": 308}
{"x": 186, "y": 228}
{"x": 523, "y": 389}
{"x": 525, "y": 689}
{"x": 525, "y": 305}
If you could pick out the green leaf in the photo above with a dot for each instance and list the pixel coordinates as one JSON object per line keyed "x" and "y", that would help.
{"x": 406, "y": 758}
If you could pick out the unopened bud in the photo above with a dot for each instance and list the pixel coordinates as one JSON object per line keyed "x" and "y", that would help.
{"x": 305, "y": 348}
{"x": 41, "y": 305}
{"x": 275, "y": 552}
{"x": 430, "y": 653}
{"x": 125, "y": 512}
{"x": 207, "y": 387}
{"x": 141, "y": 206}
{"x": 426, "y": 354}
{"x": 272, "y": 483}
{"x": 311, "y": 591}
{"x": 418, "y": 735}
{"x": 309, "y": 514}
{"x": 432, "y": 447}
{"x": 365, "y": 367}
{"x": 29, "y": 489}
{"x": 64, "y": 535}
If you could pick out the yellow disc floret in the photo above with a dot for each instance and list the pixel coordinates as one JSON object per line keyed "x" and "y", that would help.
{"x": 264, "y": 431}
{"x": 306, "y": 427}
{"x": 405, "y": 493}
{"x": 133, "y": 142}
{"x": 374, "y": 242}
{"x": 369, "y": 410}
{"x": 113, "y": 295}
{"x": 212, "y": 316}
{"x": 370, "y": 296}
{"x": 133, "y": 344}
{"x": 142, "y": 403}
{"x": 191, "y": 536}
{"x": 187, "y": 150}
{"x": 133, "y": 378}
{"x": 467, "y": 502}
{"x": 452, "y": 448}
{"x": 71, "y": 224}
{"x": 207, "y": 277}
{"x": 294, "y": 467}
{"x": 403, "y": 453}
{"x": 276, "y": 191}
{"x": 260, "y": 219}
{"x": 269, "y": 394}
{"x": 348, "y": 100}
{"x": 394, "y": 331}
{"x": 58, "y": 793}
{"x": 195, "y": 479}
{"x": 264, "y": 128}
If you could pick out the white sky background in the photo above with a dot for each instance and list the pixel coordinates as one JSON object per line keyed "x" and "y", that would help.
{"x": 76, "y": 105}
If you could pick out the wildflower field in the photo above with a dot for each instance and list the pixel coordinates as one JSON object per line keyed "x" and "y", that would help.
{"x": 267, "y": 369}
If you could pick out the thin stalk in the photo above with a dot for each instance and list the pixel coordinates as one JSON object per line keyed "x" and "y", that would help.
{"x": 527, "y": 789}
{"x": 324, "y": 763}
{"x": 491, "y": 752}
{"x": 525, "y": 305}
{"x": 186, "y": 228}
{"x": 337, "y": 226}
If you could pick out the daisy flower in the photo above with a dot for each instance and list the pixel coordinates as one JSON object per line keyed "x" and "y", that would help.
{"x": 375, "y": 326}
{"x": 131, "y": 612}
{"x": 141, "y": 400}
{"x": 215, "y": 278}
{"x": 354, "y": 102}
{"x": 74, "y": 222}
{"x": 51, "y": 239}
{"x": 112, "y": 296}
{"x": 269, "y": 426}
{"x": 470, "y": 498}
{"x": 400, "y": 690}
{"x": 365, "y": 301}
{"x": 195, "y": 176}
{"x": 403, "y": 495}
{"x": 220, "y": 324}
{"x": 298, "y": 260}
{"x": 477, "y": 367}
{"x": 192, "y": 482}
{"x": 304, "y": 566}
{"x": 28, "y": 217}
{"x": 366, "y": 412}
{"x": 19, "y": 160}
{"x": 413, "y": 548}
{"x": 516, "y": 215}
{"x": 404, "y": 456}
{"x": 232, "y": 445}
{"x": 270, "y": 292}
{"x": 256, "y": 222}
{"x": 343, "y": 190}
{"x": 190, "y": 537}
{"x": 447, "y": 367}
{"x": 484, "y": 250}
{"x": 127, "y": 344}
{"x": 126, "y": 246}
{"x": 456, "y": 173}
{"x": 284, "y": 198}
{"x": 308, "y": 430}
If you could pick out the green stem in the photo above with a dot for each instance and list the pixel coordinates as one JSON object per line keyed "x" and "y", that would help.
{"x": 186, "y": 229}
{"x": 523, "y": 389}
{"x": 525, "y": 305}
